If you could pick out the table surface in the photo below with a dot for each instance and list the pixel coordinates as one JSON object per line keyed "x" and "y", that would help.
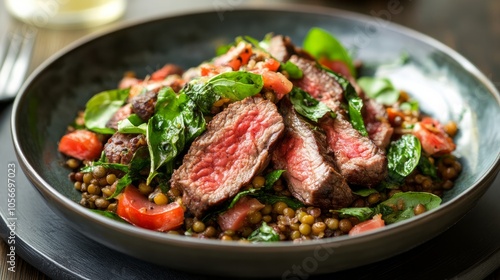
{"x": 470, "y": 27}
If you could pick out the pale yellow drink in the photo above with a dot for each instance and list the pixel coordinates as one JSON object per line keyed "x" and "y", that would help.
{"x": 66, "y": 14}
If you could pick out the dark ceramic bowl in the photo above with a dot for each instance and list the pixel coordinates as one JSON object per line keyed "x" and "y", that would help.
{"x": 445, "y": 83}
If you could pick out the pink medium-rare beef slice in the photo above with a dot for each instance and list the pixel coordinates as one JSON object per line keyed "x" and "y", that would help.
{"x": 235, "y": 148}
{"x": 357, "y": 157}
{"x": 359, "y": 160}
{"x": 377, "y": 124}
{"x": 309, "y": 169}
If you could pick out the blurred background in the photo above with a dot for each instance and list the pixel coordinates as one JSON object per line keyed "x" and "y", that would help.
{"x": 472, "y": 28}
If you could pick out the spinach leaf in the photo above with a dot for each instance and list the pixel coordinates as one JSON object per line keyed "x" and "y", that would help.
{"x": 410, "y": 105}
{"x": 397, "y": 208}
{"x": 271, "y": 178}
{"x": 365, "y": 192}
{"x": 109, "y": 214}
{"x": 320, "y": 43}
{"x": 308, "y": 106}
{"x": 101, "y": 107}
{"x": 362, "y": 213}
{"x": 235, "y": 85}
{"x": 107, "y": 165}
{"x": 123, "y": 182}
{"x": 403, "y": 155}
{"x": 133, "y": 124}
{"x": 354, "y": 102}
{"x": 427, "y": 168}
{"x": 380, "y": 89}
{"x": 239, "y": 195}
{"x": 264, "y": 234}
{"x": 406, "y": 201}
{"x": 294, "y": 72}
{"x": 176, "y": 122}
{"x": 272, "y": 198}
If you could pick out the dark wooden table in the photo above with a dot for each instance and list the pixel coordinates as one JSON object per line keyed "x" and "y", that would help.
{"x": 470, "y": 27}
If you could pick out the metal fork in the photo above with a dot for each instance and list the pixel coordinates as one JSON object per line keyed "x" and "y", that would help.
{"x": 15, "y": 56}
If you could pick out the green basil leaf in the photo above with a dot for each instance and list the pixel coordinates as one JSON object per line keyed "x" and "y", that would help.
{"x": 365, "y": 192}
{"x": 362, "y": 213}
{"x": 109, "y": 214}
{"x": 107, "y": 165}
{"x": 354, "y": 102}
{"x": 271, "y": 199}
{"x": 380, "y": 89}
{"x": 308, "y": 106}
{"x": 264, "y": 233}
{"x": 133, "y": 124}
{"x": 294, "y": 72}
{"x": 239, "y": 195}
{"x": 235, "y": 85}
{"x": 176, "y": 122}
{"x": 391, "y": 213}
{"x": 271, "y": 178}
{"x": 101, "y": 107}
{"x": 403, "y": 155}
{"x": 427, "y": 168}
{"x": 410, "y": 105}
{"x": 320, "y": 43}
{"x": 123, "y": 182}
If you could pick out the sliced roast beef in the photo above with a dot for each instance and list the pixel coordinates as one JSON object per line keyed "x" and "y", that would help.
{"x": 309, "y": 168}
{"x": 359, "y": 160}
{"x": 120, "y": 148}
{"x": 143, "y": 105}
{"x": 229, "y": 154}
{"x": 281, "y": 47}
{"x": 377, "y": 124}
{"x": 124, "y": 112}
{"x": 375, "y": 118}
{"x": 319, "y": 84}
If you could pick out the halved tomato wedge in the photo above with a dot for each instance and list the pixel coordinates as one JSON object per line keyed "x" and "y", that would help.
{"x": 139, "y": 211}
{"x": 374, "y": 223}
{"x": 433, "y": 138}
{"x": 81, "y": 144}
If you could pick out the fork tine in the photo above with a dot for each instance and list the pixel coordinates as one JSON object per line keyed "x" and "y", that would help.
{"x": 16, "y": 61}
{"x": 20, "y": 67}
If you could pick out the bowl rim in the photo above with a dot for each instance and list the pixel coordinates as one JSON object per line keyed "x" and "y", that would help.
{"x": 479, "y": 187}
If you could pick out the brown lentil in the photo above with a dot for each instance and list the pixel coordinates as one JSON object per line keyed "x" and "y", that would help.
{"x": 289, "y": 212}
{"x": 332, "y": 223}
{"x": 144, "y": 188}
{"x": 93, "y": 189}
{"x": 267, "y": 218}
{"x": 305, "y": 229}
{"x": 73, "y": 163}
{"x": 110, "y": 178}
{"x": 254, "y": 217}
{"x": 87, "y": 177}
{"x": 307, "y": 219}
{"x": 210, "y": 231}
{"x": 345, "y": 225}
{"x": 318, "y": 228}
{"x": 419, "y": 209}
{"x": 99, "y": 171}
{"x": 278, "y": 207}
{"x": 160, "y": 199}
{"x": 258, "y": 182}
{"x": 373, "y": 198}
{"x": 198, "y": 226}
